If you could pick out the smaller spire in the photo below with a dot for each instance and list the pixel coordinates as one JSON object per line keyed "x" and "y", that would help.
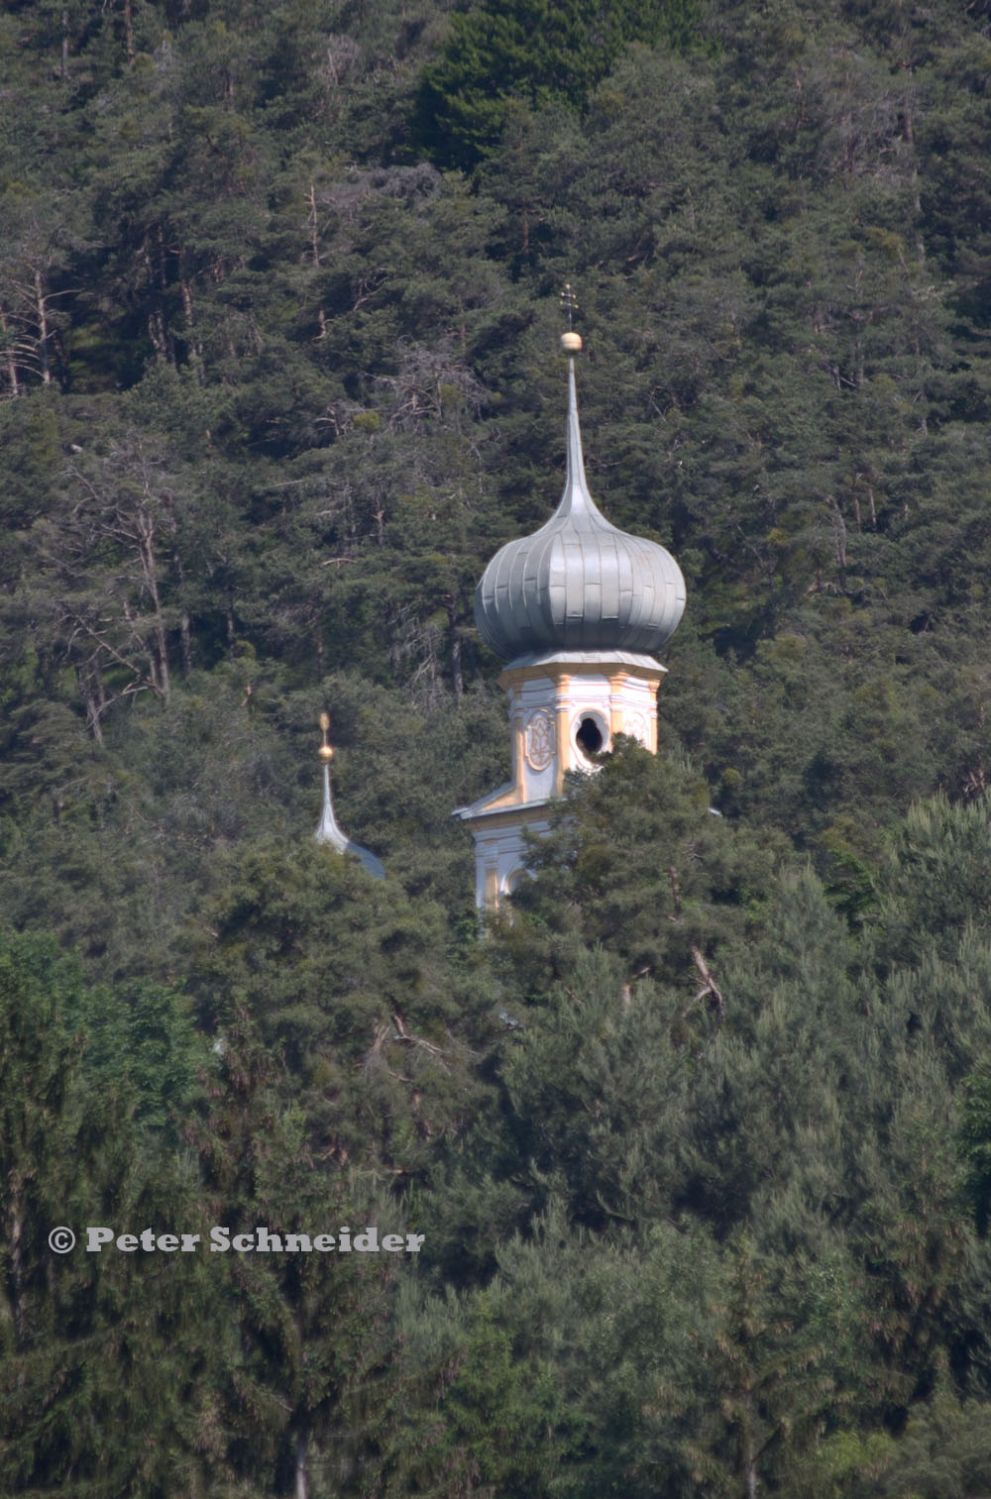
{"x": 328, "y": 830}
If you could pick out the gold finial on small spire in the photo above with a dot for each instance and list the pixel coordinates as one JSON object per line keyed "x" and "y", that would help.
{"x": 571, "y": 341}
{"x": 326, "y": 750}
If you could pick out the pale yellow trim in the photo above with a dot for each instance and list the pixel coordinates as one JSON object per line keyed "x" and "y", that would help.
{"x": 513, "y": 816}
{"x": 491, "y": 889}
{"x": 617, "y": 721}
{"x": 512, "y": 798}
{"x": 509, "y": 679}
{"x": 562, "y": 718}
{"x": 519, "y": 757}
{"x": 556, "y": 671}
{"x": 618, "y": 682}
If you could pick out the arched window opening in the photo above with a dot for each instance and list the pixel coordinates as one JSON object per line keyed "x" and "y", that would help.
{"x": 589, "y": 736}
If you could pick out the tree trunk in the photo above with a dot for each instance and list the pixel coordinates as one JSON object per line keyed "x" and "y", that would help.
{"x": 454, "y": 639}
{"x": 150, "y": 569}
{"x": 156, "y": 335}
{"x": 302, "y": 1466}
{"x": 195, "y": 348}
{"x": 15, "y": 387}
{"x": 41, "y": 310}
{"x": 16, "y": 1222}
{"x": 314, "y": 223}
{"x": 749, "y": 1449}
{"x": 94, "y": 698}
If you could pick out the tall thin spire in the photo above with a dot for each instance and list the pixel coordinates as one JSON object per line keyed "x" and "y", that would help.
{"x": 328, "y": 829}
{"x": 576, "y": 499}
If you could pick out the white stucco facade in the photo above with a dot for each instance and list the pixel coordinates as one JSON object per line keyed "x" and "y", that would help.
{"x": 563, "y": 709}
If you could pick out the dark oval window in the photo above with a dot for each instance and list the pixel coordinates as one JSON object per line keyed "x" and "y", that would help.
{"x": 589, "y": 736}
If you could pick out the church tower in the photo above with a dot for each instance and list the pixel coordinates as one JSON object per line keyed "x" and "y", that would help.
{"x": 578, "y": 611}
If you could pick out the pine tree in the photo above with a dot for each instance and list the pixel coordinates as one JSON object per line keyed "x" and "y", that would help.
{"x": 105, "y": 1357}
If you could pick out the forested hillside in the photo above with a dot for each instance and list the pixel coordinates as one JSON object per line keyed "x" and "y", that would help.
{"x": 699, "y": 1141}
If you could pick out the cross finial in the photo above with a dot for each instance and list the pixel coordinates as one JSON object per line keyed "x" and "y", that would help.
{"x": 570, "y": 341}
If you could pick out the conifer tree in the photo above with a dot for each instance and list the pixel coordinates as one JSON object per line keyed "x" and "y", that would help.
{"x": 106, "y": 1357}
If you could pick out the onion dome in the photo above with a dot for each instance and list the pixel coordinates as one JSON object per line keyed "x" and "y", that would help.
{"x": 579, "y": 583}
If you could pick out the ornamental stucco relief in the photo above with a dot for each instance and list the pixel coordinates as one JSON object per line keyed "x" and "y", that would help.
{"x": 635, "y": 724}
{"x": 539, "y": 740}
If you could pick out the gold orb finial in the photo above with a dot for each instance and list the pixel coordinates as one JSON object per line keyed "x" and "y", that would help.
{"x": 571, "y": 342}
{"x": 326, "y": 751}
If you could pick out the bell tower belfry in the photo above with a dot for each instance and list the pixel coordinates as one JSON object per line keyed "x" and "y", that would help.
{"x": 577, "y": 610}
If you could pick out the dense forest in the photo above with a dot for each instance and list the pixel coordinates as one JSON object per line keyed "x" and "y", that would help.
{"x": 698, "y": 1136}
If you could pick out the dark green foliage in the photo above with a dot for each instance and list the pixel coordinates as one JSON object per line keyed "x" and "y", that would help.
{"x": 332, "y": 988}
{"x": 944, "y": 1452}
{"x": 975, "y": 1140}
{"x": 340, "y": 1070}
{"x": 504, "y": 52}
{"x": 698, "y": 1135}
{"x": 137, "y": 1042}
{"x": 91, "y": 1344}
{"x": 638, "y": 861}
